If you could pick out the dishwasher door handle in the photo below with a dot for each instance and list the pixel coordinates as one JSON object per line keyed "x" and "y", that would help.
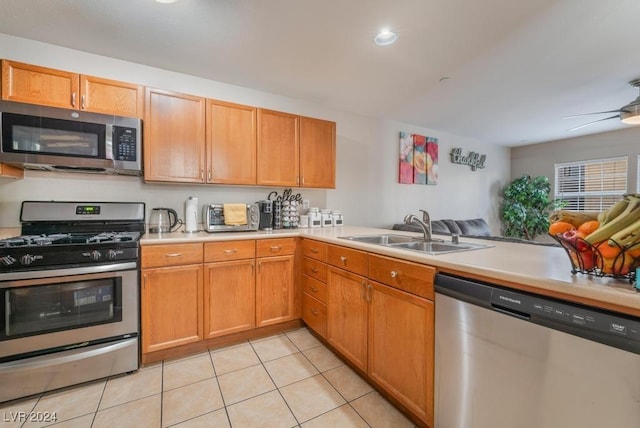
{"x": 512, "y": 312}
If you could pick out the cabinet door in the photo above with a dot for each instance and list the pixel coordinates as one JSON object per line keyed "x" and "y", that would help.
{"x": 231, "y": 143}
{"x": 275, "y": 292}
{"x": 401, "y": 337}
{"x": 229, "y": 297}
{"x": 277, "y": 148}
{"x": 171, "y": 309}
{"x": 174, "y": 137}
{"x": 347, "y": 314}
{"x": 111, "y": 97}
{"x": 31, "y": 84}
{"x": 317, "y": 153}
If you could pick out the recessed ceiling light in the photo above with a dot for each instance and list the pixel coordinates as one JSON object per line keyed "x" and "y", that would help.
{"x": 166, "y": 1}
{"x": 385, "y": 37}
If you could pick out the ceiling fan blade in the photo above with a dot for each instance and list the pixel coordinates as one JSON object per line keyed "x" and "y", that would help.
{"x": 595, "y": 121}
{"x": 589, "y": 114}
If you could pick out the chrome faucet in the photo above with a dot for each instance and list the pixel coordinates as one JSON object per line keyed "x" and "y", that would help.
{"x": 425, "y": 223}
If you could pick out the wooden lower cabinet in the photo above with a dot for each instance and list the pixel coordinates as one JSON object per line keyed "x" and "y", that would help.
{"x": 171, "y": 309}
{"x": 229, "y": 297}
{"x": 347, "y": 315}
{"x": 401, "y": 341}
{"x": 275, "y": 290}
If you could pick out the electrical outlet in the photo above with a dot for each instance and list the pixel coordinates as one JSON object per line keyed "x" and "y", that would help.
{"x": 305, "y": 204}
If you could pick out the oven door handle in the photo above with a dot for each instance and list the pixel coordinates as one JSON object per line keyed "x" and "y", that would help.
{"x": 49, "y": 273}
{"x": 71, "y": 356}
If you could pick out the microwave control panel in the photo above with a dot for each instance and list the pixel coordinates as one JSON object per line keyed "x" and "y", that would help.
{"x": 125, "y": 143}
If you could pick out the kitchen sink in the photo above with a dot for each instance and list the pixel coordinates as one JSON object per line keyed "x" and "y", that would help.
{"x": 437, "y": 247}
{"x": 381, "y": 239}
{"x": 415, "y": 244}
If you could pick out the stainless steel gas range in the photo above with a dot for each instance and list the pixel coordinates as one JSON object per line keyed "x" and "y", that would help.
{"x": 69, "y": 288}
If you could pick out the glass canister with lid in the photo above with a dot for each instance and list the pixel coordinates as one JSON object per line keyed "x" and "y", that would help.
{"x": 327, "y": 219}
{"x": 336, "y": 218}
{"x": 315, "y": 219}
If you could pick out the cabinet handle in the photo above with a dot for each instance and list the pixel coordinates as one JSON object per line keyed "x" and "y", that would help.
{"x": 209, "y": 175}
{"x": 314, "y": 270}
{"x": 73, "y": 99}
{"x": 369, "y": 289}
{"x": 275, "y": 248}
{"x": 173, "y": 255}
{"x": 253, "y": 268}
{"x": 297, "y": 180}
{"x": 314, "y": 250}
{"x": 201, "y": 174}
{"x": 314, "y": 289}
{"x": 394, "y": 274}
{"x": 303, "y": 180}
{"x": 230, "y": 251}
{"x": 363, "y": 289}
{"x": 343, "y": 259}
{"x": 82, "y": 102}
{"x": 259, "y": 266}
{"x": 314, "y": 312}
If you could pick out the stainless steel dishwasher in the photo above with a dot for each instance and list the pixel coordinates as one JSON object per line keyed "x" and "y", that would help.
{"x": 509, "y": 359}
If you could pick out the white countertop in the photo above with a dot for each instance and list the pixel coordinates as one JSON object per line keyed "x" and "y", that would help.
{"x": 536, "y": 268}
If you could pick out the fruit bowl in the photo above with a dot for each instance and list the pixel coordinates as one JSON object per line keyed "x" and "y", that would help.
{"x": 607, "y": 259}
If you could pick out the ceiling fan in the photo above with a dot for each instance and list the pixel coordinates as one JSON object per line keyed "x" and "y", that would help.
{"x": 629, "y": 114}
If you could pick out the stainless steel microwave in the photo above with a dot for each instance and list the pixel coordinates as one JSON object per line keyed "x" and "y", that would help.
{"x": 49, "y": 138}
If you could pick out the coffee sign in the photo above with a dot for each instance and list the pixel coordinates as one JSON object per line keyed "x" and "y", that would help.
{"x": 473, "y": 159}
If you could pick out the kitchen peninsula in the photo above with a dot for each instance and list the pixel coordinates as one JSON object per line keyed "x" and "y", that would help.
{"x": 539, "y": 269}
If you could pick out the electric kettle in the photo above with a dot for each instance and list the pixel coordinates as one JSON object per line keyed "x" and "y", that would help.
{"x": 162, "y": 220}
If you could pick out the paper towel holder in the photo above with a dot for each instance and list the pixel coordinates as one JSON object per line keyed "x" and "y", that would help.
{"x": 191, "y": 214}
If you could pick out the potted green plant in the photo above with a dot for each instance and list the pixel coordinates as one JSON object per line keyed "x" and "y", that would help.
{"x": 526, "y": 206}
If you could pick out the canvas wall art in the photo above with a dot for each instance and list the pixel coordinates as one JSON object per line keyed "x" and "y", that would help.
{"x": 418, "y": 159}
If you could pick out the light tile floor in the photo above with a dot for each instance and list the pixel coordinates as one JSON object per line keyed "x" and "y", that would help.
{"x": 286, "y": 380}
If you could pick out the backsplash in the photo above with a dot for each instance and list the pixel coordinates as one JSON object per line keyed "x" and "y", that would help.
{"x": 39, "y": 185}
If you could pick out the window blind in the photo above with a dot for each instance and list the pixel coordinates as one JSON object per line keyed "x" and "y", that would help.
{"x": 593, "y": 185}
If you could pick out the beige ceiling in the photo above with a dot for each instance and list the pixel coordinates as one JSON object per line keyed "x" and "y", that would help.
{"x": 515, "y": 67}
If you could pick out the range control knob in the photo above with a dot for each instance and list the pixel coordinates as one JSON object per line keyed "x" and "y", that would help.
{"x": 95, "y": 255}
{"x": 26, "y": 259}
{"x": 111, "y": 255}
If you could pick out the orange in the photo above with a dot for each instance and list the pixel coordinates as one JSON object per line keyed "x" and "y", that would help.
{"x": 589, "y": 227}
{"x": 608, "y": 251}
{"x": 560, "y": 227}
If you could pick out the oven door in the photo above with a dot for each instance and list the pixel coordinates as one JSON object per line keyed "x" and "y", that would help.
{"x": 67, "y": 308}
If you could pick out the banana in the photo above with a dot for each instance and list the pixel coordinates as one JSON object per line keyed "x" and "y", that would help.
{"x": 628, "y": 236}
{"x": 617, "y": 209}
{"x": 627, "y": 217}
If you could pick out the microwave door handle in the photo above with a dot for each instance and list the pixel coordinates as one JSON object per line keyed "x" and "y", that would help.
{"x": 108, "y": 142}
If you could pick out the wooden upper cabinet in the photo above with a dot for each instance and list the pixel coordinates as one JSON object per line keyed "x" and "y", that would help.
{"x": 174, "y": 137}
{"x": 317, "y": 153}
{"x": 278, "y": 148}
{"x": 231, "y": 143}
{"x": 111, "y": 97}
{"x": 31, "y": 84}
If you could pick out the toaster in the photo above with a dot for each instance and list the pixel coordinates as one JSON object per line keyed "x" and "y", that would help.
{"x": 213, "y": 216}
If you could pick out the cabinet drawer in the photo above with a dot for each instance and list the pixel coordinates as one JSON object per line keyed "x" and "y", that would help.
{"x": 314, "y": 314}
{"x": 315, "y": 288}
{"x": 229, "y": 250}
{"x": 348, "y": 259}
{"x": 275, "y": 247}
{"x": 315, "y": 269}
{"x": 171, "y": 255}
{"x": 314, "y": 249}
{"x": 411, "y": 277}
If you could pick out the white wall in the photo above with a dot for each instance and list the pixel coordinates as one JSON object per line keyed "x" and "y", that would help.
{"x": 367, "y": 152}
{"x": 539, "y": 159}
